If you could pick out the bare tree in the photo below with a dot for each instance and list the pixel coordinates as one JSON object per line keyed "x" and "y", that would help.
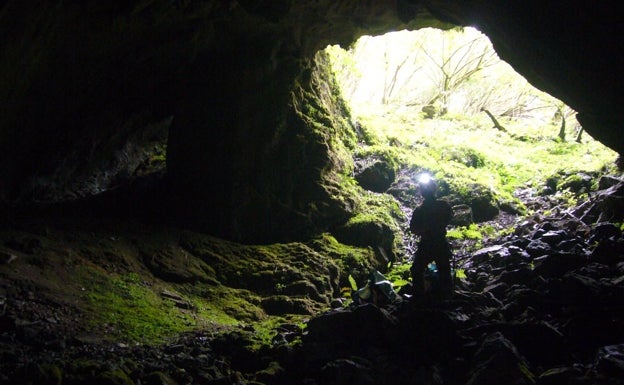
{"x": 393, "y": 72}
{"x": 563, "y": 112}
{"x": 579, "y": 133}
{"x": 454, "y": 65}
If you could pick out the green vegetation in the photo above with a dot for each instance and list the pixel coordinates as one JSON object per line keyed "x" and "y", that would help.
{"x": 265, "y": 331}
{"x": 127, "y": 307}
{"x": 351, "y": 260}
{"x": 165, "y": 283}
{"x": 443, "y": 102}
{"x": 475, "y": 235}
{"x": 148, "y": 285}
{"x": 464, "y": 151}
{"x": 399, "y": 275}
{"x": 459, "y": 73}
{"x": 463, "y": 232}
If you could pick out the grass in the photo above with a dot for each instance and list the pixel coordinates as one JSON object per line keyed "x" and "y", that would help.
{"x": 464, "y": 150}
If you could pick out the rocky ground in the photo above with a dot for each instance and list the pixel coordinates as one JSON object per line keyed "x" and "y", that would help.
{"x": 544, "y": 305}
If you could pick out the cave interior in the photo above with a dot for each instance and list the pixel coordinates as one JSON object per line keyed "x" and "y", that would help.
{"x": 162, "y": 120}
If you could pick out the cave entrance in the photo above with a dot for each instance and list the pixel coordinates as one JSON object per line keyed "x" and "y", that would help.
{"x": 443, "y": 101}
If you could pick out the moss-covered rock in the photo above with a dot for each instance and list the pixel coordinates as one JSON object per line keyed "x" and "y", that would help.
{"x": 267, "y": 269}
{"x": 159, "y": 378}
{"x": 283, "y": 304}
{"x": 375, "y": 224}
{"x": 288, "y": 182}
{"x": 484, "y": 204}
{"x": 351, "y": 260}
{"x": 374, "y": 174}
{"x": 44, "y": 374}
{"x": 465, "y": 155}
{"x": 169, "y": 265}
{"x": 483, "y": 201}
{"x": 577, "y": 183}
{"x": 112, "y": 377}
{"x": 136, "y": 285}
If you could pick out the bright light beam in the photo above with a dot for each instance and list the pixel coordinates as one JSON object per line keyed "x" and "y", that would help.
{"x": 424, "y": 178}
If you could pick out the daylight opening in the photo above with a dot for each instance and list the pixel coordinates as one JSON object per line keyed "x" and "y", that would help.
{"x": 444, "y": 102}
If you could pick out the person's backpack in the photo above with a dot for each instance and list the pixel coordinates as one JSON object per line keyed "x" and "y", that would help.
{"x": 378, "y": 290}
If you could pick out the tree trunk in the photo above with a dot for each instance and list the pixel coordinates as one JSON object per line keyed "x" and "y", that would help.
{"x": 562, "y": 135}
{"x": 497, "y": 125}
{"x": 578, "y": 134}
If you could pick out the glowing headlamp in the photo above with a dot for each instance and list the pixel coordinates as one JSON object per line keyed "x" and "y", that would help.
{"x": 424, "y": 178}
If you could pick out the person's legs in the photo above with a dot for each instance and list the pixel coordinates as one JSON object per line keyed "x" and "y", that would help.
{"x": 444, "y": 273}
{"x": 418, "y": 272}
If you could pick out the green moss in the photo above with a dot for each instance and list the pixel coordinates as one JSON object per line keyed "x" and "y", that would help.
{"x": 224, "y": 306}
{"x": 388, "y": 154}
{"x": 467, "y": 156}
{"x": 127, "y": 307}
{"x": 265, "y": 331}
{"x": 351, "y": 260}
{"x": 131, "y": 305}
{"x": 465, "y": 151}
{"x": 45, "y": 374}
{"x": 114, "y": 377}
{"x": 470, "y": 232}
{"x": 377, "y": 207}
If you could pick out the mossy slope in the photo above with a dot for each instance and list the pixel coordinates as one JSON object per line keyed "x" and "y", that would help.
{"x": 134, "y": 283}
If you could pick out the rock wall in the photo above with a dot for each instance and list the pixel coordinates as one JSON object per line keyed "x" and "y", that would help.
{"x": 255, "y": 149}
{"x": 271, "y": 152}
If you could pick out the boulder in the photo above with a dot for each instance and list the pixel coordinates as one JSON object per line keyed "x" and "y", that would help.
{"x": 609, "y": 362}
{"x": 521, "y": 275}
{"x": 582, "y": 290}
{"x": 558, "y": 264}
{"x": 366, "y": 324}
{"x": 560, "y": 375}
{"x": 282, "y": 304}
{"x": 553, "y": 237}
{"x": 374, "y": 174}
{"x": 369, "y": 233}
{"x": 462, "y": 215}
{"x": 537, "y": 248}
{"x": 606, "y": 230}
{"x": 607, "y": 181}
{"x": 486, "y": 253}
{"x": 498, "y": 362}
{"x": 349, "y": 371}
{"x": 484, "y": 207}
{"x": 577, "y": 183}
{"x": 609, "y": 251}
{"x": 541, "y": 343}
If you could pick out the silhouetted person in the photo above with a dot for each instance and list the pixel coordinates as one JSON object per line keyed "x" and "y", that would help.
{"x": 429, "y": 221}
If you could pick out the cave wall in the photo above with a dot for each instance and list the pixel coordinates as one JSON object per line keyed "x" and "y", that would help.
{"x": 255, "y": 145}
{"x": 269, "y": 173}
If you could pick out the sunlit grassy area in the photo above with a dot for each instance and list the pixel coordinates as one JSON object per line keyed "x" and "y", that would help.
{"x": 463, "y": 149}
{"x": 419, "y": 97}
